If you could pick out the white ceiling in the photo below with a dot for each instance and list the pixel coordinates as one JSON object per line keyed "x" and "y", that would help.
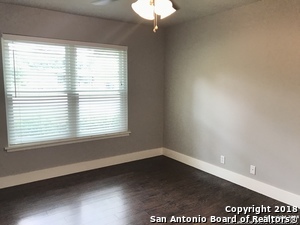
{"x": 121, "y": 9}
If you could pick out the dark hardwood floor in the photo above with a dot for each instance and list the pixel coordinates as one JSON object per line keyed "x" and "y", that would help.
{"x": 130, "y": 194}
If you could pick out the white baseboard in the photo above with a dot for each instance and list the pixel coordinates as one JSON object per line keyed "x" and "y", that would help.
{"x": 254, "y": 185}
{"x": 44, "y": 174}
{"x": 257, "y": 186}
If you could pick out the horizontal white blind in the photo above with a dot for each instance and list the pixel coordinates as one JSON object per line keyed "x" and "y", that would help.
{"x": 62, "y": 90}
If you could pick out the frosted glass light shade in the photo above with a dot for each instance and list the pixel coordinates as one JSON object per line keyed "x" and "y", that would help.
{"x": 164, "y": 8}
{"x": 144, "y": 9}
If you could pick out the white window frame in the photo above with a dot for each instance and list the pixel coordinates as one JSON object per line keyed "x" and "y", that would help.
{"x": 34, "y": 145}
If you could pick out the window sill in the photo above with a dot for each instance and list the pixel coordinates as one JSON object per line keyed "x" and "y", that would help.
{"x": 31, "y": 146}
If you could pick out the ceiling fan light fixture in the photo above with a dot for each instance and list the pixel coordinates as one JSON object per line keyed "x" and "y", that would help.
{"x": 144, "y": 9}
{"x": 164, "y": 8}
{"x": 151, "y": 9}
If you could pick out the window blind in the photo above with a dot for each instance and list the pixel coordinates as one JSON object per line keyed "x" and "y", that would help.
{"x": 57, "y": 90}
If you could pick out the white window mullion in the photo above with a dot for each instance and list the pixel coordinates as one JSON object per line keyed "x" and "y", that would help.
{"x": 9, "y": 116}
{"x": 73, "y": 97}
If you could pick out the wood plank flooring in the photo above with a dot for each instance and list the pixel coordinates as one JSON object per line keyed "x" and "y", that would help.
{"x": 128, "y": 194}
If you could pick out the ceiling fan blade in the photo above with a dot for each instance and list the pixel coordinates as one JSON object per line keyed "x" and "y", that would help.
{"x": 102, "y": 2}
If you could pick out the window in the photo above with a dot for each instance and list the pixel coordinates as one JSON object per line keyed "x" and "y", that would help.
{"x": 63, "y": 91}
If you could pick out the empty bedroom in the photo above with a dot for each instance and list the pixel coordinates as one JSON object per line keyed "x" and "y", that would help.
{"x": 131, "y": 112}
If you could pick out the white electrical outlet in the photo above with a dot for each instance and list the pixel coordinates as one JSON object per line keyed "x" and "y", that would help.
{"x": 222, "y": 159}
{"x": 252, "y": 169}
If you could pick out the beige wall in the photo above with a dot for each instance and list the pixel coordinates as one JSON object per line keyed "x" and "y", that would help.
{"x": 145, "y": 78}
{"x": 232, "y": 88}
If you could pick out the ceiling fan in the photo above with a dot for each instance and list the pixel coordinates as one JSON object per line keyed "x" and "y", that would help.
{"x": 149, "y": 9}
{"x": 102, "y": 2}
